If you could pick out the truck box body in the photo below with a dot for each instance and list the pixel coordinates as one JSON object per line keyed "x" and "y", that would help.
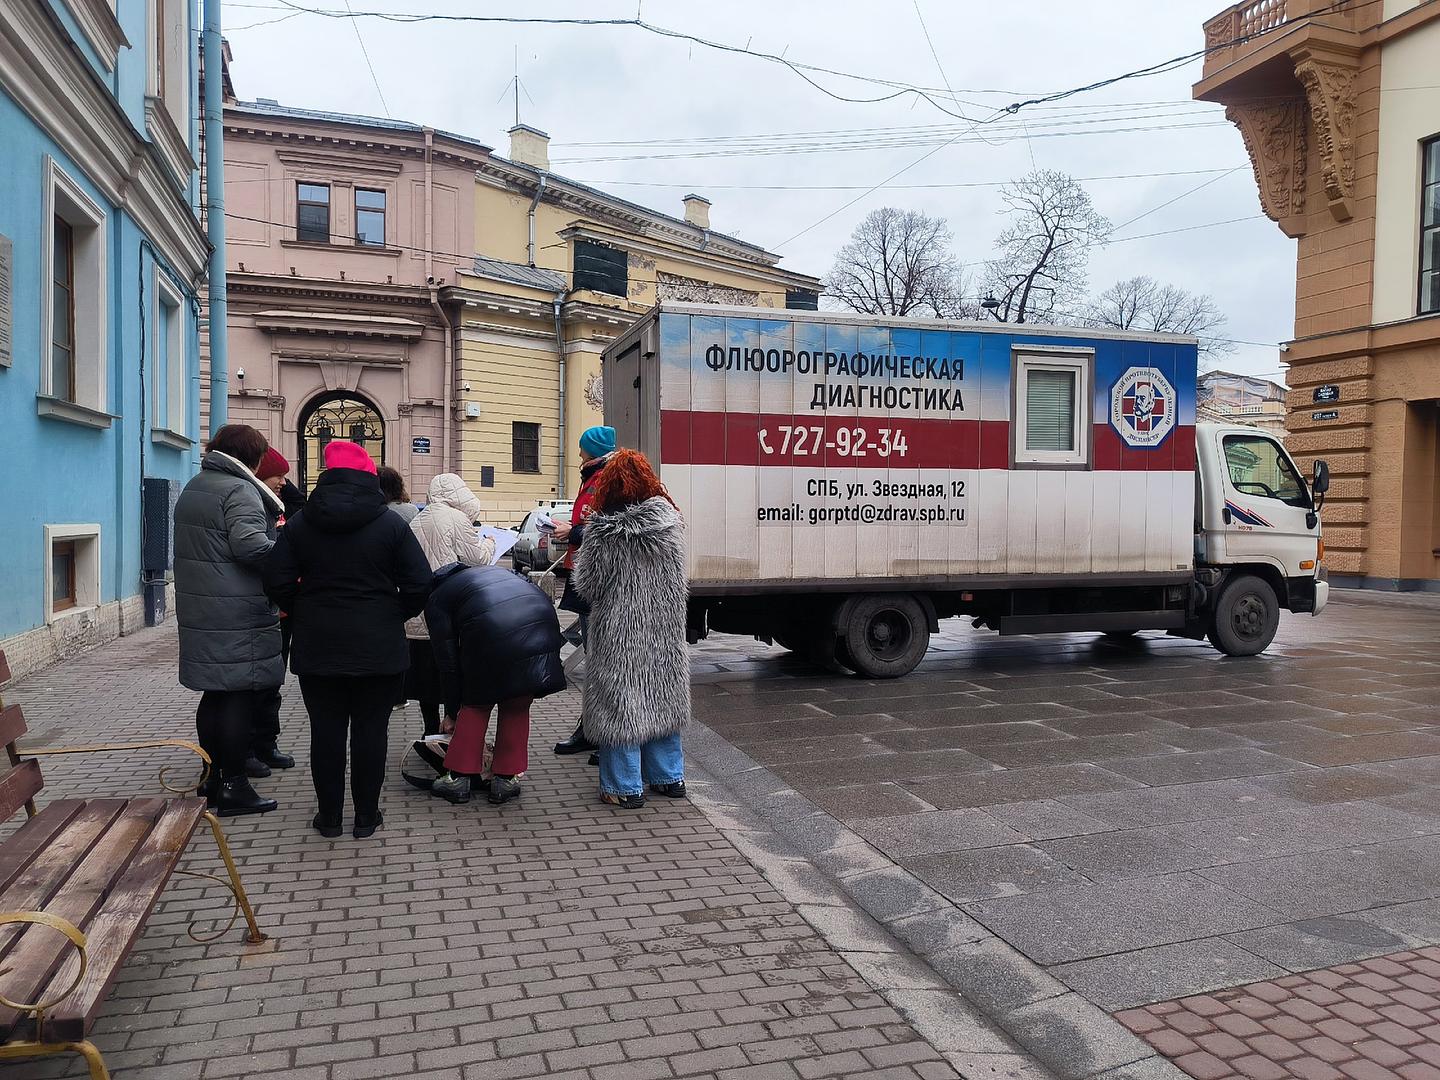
{"x": 809, "y": 448}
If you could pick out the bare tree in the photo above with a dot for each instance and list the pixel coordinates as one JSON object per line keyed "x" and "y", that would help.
{"x": 1040, "y": 272}
{"x": 1142, "y": 303}
{"x": 899, "y": 262}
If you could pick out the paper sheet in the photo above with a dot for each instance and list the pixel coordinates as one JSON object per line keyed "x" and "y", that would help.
{"x": 504, "y": 540}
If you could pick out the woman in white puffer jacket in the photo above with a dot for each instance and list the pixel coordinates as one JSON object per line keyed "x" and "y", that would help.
{"x": 446, "y": 531}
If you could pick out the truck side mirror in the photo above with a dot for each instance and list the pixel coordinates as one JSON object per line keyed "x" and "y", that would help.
{"x": 1321, "y": 482}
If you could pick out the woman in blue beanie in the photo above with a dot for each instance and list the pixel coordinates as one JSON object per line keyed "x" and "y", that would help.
{"x": 597, "y": 445}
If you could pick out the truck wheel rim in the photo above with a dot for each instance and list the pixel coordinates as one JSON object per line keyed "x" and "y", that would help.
{"x": 888, "y": 635}
{"x": 1250, "y": 616}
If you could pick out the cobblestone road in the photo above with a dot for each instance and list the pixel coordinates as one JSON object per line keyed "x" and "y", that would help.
{"x": 1090, "y": 826}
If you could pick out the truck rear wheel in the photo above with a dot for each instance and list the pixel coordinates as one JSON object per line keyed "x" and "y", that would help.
{"x": 886, "y": 635}
{"x": 1247, "y": 614}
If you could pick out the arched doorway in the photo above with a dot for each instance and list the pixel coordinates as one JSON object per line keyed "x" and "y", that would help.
{"x": 342, "y": 415}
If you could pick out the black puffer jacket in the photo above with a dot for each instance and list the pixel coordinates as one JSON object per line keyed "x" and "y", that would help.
{"x": 348, "y": 573}
{"x": 495, "y": 636}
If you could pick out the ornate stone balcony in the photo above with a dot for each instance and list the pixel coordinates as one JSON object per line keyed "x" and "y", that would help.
{"x": 1285, "y": 70}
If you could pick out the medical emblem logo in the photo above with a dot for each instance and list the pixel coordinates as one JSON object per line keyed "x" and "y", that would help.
{"x": 1142, "y": 407}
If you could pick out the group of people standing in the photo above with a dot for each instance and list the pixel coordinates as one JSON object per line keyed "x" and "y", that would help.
{"x": 371, "y": 600}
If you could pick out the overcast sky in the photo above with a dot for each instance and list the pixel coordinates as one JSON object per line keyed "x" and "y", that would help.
{"x": 660, "y": 104}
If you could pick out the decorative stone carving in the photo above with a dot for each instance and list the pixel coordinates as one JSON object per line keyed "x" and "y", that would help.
{"x": 405, "y": 408}
{"x": 1221, "y": 31}
{"x": 1274, "y": 137}
{"x": 276, "y": 401}
{"x": 1330, "y": 91}
{"x": 594, "y": 392}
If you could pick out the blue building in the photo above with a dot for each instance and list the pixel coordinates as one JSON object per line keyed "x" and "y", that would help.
{"x": 102, "y": 256}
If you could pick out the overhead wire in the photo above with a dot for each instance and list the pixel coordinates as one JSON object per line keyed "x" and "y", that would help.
{"x": 355, "y": 25}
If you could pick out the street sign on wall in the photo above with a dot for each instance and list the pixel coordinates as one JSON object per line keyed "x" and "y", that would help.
{"x": 1328, "y": 392}
{"x": 420, "y": 445}
{"x": 1328, "y": 414}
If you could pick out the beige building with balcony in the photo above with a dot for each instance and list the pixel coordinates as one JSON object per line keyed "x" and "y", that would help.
{"x": 442, "y": 304}
{"x": 1339, "y": 108}
{"x": 1223, "y": 397}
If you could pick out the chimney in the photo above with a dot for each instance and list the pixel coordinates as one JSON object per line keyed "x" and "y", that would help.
{"x": 697, "y": 210}
{"x": 530, "y": 146}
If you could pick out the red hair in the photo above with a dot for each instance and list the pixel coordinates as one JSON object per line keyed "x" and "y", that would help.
{"x": 627, "y": 479}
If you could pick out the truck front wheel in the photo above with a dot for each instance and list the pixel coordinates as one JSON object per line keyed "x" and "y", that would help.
{"x": 885, "y": 636}
{"x": 1247, "y": 614}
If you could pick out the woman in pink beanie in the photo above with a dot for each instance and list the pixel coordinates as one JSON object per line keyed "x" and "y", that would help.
{"x": 350, "y": 573}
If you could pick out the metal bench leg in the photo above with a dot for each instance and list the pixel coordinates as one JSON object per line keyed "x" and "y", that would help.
{"x": 88, "y": 1050}
{"x": 236, "y": 886}
{"x": 91, "y": 1053}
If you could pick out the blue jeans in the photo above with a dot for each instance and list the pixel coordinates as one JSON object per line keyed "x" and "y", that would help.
{"x": 625, "y": 770}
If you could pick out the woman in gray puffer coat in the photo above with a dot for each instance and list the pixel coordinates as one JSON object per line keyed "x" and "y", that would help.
{"x": 229, "y": 630}
{"x": 631, "y": 570}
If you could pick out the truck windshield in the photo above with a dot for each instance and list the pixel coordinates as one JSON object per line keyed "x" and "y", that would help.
{"x": 1258, "y": 466}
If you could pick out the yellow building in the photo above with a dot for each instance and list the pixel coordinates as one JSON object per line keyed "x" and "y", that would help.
{"x": 561, "y": 269}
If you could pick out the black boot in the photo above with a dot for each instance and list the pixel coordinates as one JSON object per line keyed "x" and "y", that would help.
{"x": 366, "y": 824}
{"x": 327, "y": 827}
{"x": 274, "y": 757}
{"x": 576, "y": 744}
{"x": 256, "y": 769}
{"x": 236, "y": 797}
{"x": 210, "y": 789}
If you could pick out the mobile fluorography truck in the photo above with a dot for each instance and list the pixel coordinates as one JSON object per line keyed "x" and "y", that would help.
{"x": 847, "y": 481}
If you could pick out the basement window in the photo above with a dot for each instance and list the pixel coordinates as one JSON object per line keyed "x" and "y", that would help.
{"x": 601, "y": 269}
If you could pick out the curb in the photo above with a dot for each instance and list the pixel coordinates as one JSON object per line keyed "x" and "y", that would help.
{"x": 990, "y": 1010}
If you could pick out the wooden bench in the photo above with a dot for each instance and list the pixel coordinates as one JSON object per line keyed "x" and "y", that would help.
{"x": 77, "y": 882}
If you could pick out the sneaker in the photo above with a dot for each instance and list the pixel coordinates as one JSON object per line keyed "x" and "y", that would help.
{"x": 503, "y": 789}
{"x": 673, "y": 790}
{"x": 452, "y": 788}
{"x": 625, "y": 802}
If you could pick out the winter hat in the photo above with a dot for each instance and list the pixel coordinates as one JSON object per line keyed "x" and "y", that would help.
{"x": 347, "y": 455}
{"x": 598, "y": 441}
{"x": 272, "y": 464}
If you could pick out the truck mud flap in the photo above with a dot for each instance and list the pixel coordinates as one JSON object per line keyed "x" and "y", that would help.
{"x": 1103, "y": 621}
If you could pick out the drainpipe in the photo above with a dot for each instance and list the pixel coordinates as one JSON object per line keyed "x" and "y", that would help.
{"x": 449, "y": 378}
{"x": 530, "y": 244}
{"x": 435, "y": 299}
{"x": 215, "y": 215}
{"x": 560, "y": 429}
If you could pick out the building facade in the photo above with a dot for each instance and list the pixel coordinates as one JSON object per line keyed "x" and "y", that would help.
{"x": 101, "y": 256}
{"x": 1339, "y": 110}
{"x": 441, "y": 303}
{"x": 1223, "y": 397}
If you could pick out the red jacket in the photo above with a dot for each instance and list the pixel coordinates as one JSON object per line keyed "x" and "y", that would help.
{"x": 584, "y": 506}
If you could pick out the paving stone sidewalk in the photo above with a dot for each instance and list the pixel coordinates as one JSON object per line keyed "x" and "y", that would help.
{"x": 551, "y": 937}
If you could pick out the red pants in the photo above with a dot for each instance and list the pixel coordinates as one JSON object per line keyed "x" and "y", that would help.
{"x": 512, "y": 732}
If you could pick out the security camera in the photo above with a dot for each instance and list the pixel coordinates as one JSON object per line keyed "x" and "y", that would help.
{"x": 1284, "y": 346}
{"x": 465, "y": 386}
{"x": 240, "y": 374}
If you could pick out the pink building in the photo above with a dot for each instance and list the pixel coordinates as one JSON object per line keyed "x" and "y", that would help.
{"x": 340, "y": 240}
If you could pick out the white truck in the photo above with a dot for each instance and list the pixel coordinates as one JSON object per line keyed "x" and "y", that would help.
{"x": 848, "y": 481}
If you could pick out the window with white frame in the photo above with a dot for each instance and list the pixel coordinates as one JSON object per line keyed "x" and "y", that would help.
{"x": 73, "y": 302}
{"x": 170, "y": 361}
{"x": 169, "y": 79}
{"x": 72, "y": 569}
{"x": 1052, "y": 408}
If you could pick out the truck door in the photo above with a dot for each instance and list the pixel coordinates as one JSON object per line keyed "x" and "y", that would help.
{"x": 622, "y": 397}
{"x": 1267, "y": 506}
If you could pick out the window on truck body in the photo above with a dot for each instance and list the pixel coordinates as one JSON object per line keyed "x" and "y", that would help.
{"x": 1052, "y": 409}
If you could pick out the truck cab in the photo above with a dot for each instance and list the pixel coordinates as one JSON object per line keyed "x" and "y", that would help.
{"x": 1258, "y": 546}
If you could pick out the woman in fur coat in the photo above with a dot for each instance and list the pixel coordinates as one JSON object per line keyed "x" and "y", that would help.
{"x": 631, "y": 570}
